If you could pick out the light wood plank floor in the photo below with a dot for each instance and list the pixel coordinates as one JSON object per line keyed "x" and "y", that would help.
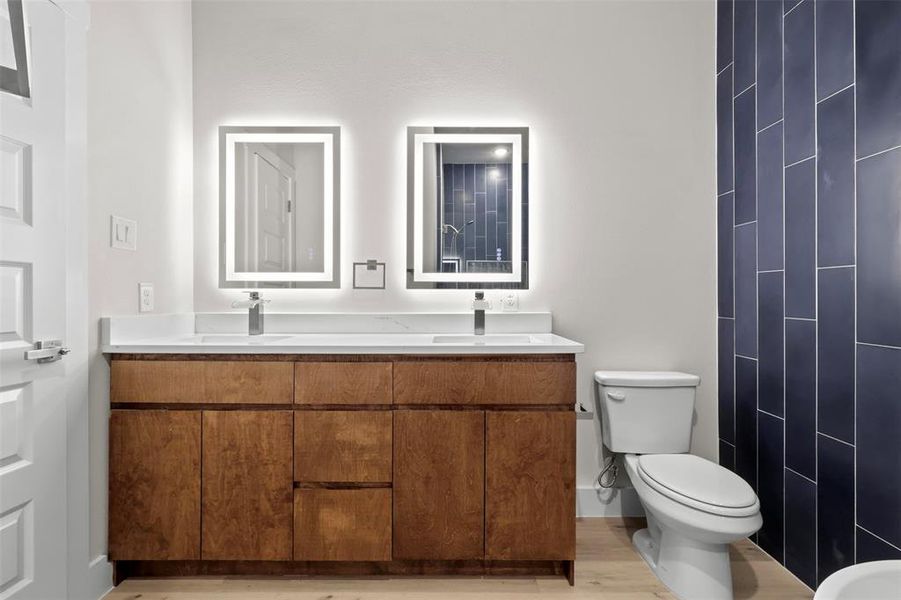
{"x": 607, "y": 568}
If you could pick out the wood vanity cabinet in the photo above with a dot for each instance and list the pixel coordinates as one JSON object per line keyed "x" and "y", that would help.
{"x": 284, "y": 464}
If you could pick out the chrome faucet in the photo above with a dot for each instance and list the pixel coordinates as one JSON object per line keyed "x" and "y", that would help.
{"x": 479, "y": 305}
{"x": 254, "y": 305}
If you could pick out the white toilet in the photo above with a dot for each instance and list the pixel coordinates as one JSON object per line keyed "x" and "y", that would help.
{"x": 695, "y": 508}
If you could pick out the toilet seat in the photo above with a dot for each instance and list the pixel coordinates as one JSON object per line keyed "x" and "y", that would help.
{"x": 698, "y": 483}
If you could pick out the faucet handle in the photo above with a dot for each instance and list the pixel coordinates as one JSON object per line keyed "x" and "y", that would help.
{"x": 480, "y": 303}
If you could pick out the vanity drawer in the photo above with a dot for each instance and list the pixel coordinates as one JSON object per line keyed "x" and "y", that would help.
{"x": 347, "y": 525}
{"x": 484, "y": 382}
{"x": 342, "y": 382}
{"x": 201, "y": 382}
{"x": 342, "y": 446}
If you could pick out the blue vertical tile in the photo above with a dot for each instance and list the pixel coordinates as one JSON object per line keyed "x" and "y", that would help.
{"x": 870, "y": 548}
{"x": 800, "y": 240}
{"x": 723, "y": 33}
{"x": 726, "y": 379}
{"x": 503, "y": 203}
{"x": 800, "y": 525}
{"x": 469, "y": 181}
{"x": 771, "y": 339}
{"x": 491, "y": 234}
{"x": 769, "y": 63}
{"x": 835, "y": 353}
{"x": 769, "y": 198}
{"x": 745, "y": 159}
{"x": 724, "y": 262}
{"x": 480, "y": 214}
{"x": 800, "y": 94}
{"x": 724, "y": 131}
{"x": 502, "y": 241}
{"x": 835, "y": 180}
{"x": 878, "y": 76}
{"x": 746, "y": 419}
{"x": 459, "y": 201}
{"x": 878, "y": 241}
{"x": 459, "y": 177}
{"x": 878, "y": 434}
{"x": 480, "y": 178}
{"x": 727, "y": 455}
{"x": 835, "y": 506}
{"x": 745, "y": 18}
{"x": 770, "y": 446}
{"x": 835, "y": 46}
{"x": 801, "y": 397}
{"x": 746, "y": 290}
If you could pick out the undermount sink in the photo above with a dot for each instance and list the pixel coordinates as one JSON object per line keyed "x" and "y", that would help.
{"x": 487, "y": 340}
{"x": 242, "y": 339}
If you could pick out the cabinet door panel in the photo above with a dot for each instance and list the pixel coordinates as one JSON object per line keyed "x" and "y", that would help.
{"x": 484, "y": 382}
{"x": 154, "y": 485}
{"x": 530, "y": 486}
{"x": 342, "y": 524}
{"x": 439, "y": 484}
{"x": 342, "y": 446}
{"x": 247, "y": 485}
{"x": 201, "y": 382}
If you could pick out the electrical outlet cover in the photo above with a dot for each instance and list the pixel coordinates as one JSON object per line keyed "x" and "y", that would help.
{"x": 145, "y": 297}
{"x": 510, "y": 303}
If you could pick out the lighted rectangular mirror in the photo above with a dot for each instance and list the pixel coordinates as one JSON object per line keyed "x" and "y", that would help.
{"x": 467, "y": 207}
{"x": 279, "y": 206}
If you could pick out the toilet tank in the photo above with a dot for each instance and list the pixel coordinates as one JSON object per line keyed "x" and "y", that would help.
{"x": 646, "y": 412}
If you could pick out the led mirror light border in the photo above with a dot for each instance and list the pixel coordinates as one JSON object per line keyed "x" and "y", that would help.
{"x": 419, "y": 140}
{"x": 327, "y": 141}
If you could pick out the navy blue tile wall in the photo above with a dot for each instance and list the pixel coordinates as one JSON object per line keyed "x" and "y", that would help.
{"x": 809, "y": 311}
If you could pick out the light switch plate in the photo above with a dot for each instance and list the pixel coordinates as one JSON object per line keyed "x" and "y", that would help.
{"x": 123, "y": 233}
{"x": 145, "y": 297}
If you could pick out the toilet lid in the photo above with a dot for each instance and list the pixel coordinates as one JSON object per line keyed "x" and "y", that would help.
{"x": 699, "y": 483}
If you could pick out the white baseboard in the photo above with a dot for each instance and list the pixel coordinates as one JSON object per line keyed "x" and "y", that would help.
{"x": 599, "y": 502}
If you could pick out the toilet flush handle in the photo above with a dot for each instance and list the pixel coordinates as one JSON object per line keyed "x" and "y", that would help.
{"x": 618, "y": 396}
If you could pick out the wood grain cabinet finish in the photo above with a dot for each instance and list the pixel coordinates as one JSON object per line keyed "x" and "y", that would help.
{"x": 342, "y": 525}
{"x": 201, "y": 382}
{"x": 530, "y": 468}
{"x": 247, "y": 485}
{"x": 484, "y": 382}
{"x": 154, "y": 485}
{"x": 343, "y": 382}
{"x": 342, "y": 446}
{"x": 439, "y": 484}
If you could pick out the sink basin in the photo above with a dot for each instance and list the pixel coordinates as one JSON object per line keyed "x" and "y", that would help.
{"x": 484, "y": 340}
{"x": 242, "y": 339}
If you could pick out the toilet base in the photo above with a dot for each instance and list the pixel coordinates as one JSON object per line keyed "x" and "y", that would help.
{"x": 692, "y": 570}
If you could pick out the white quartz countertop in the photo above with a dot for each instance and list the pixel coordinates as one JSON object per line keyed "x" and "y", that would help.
{"x": 183, "y": 334}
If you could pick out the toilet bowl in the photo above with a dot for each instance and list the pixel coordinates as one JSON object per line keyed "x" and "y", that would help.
{"x": 695, "y": 508}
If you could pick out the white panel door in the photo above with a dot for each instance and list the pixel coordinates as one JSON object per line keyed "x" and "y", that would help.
{"x": 272, "y": 189}
{"x": 32, "y": 308}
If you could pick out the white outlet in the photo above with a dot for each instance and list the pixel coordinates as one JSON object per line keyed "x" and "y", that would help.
{"x": 510, "y": 303}
{"x": 145, "y": 297}
{"x": 123, "y": 233}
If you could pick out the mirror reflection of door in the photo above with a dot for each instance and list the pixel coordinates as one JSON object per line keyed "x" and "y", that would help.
{"x": 265, "y": 209}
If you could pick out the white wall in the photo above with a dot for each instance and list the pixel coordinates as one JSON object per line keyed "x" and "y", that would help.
{"x": 139, "y": 166}
{"x": 619, "y": 100}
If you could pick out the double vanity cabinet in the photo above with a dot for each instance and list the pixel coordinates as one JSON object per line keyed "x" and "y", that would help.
{"x": 342, "y": 464}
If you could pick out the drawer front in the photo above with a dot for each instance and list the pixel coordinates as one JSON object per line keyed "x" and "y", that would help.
{"x": 484, "y": 382}
{"x": 201, "y": 382}
{"x": 343, "y": 525}
{"x": 342, "y": 383}
{"x": 342, "y": 446}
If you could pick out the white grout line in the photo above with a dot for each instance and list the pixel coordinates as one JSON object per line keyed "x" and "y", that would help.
{"x": 727, "y": 443}
{"x": 875, "y": 153}
{"x": 723, "y": 70}
{"x": 800, "y": 319}
{"x": 835, "y": 93}
{"x": 835, "y": 439}
{"x": 816, "y": 284}
{"x": 746, "y": 223}
{"x": 800, "y": 475}
{"x": 745, "y": 357}
{"x": 838, "y": 267}
{"x": 864, "y": 529}
{"x": 854, "y": 220}
{"x": 878, "y": 345}
{"x": 771, "y": 415}
{"x": 792, "y": 10}
{"x": 755, "y": 107}
{"x": 784, "y": 345}
{"x": 773, "y": 124}
{"x": 732, "y": 191}
{"x": 771, "y": 271}
{"x": 798, "y": 162}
